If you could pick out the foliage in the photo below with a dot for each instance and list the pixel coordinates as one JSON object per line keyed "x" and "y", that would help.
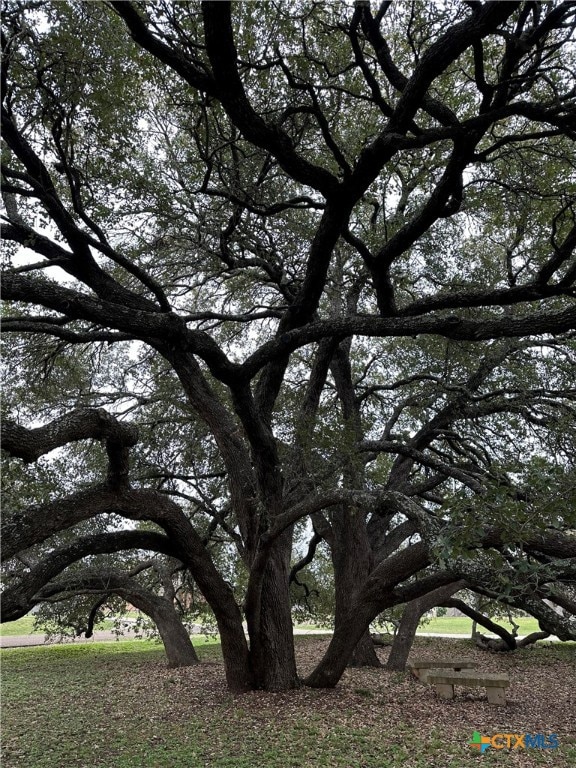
{"x": 272, "y": 269}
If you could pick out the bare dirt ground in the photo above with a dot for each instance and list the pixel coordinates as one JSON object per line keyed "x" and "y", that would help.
{"x": 541, "y": 697}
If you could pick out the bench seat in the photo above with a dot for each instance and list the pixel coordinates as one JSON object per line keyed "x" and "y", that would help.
{"x": 420, "y": 667}
{"x": 444, "y": 683}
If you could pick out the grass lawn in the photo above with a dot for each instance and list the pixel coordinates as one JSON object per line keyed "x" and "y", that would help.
{"x": 117, "y": 705}
{"x": 462, "y": 625}
{"x": 445, "y": 625}
{"x": 23, "y": 626}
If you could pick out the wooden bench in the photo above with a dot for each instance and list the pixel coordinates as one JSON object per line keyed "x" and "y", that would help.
{"x": 421, "y": 667}
{"x": 495, "y": 684}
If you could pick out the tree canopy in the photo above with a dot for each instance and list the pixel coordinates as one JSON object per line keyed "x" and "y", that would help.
{"x": 278, "y": 272}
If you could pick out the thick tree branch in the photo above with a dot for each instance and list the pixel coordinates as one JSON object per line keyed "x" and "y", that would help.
{"x": 80, "y": 424}
{"x": 451, "y": 327}
{"x": 17, "y": 597}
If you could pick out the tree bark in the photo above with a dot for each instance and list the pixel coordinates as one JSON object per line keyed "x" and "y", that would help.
{"x": 508, "y": 639}
{"x": 364, "y": 654}
{"x": 379, "y": 592}
{"x": 269, "y": 619}
{"x": 177, "y": 644}
{"x": 351, "y": 551}
{"x": 413, "y": 612}
{"x": 404, "y": 638}
{"x": 351, "y": 558}
{"x": 18, "y": 595}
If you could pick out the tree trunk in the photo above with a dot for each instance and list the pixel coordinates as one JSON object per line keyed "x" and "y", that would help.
{"x": 380, "y": 592}
{"x": 269, "y": 617}
{"x": 345, "y": 638}
{"x": 235, "y": 654}
{"x": 413, "y": 612}
{"x": 352, "y": 559}
{"x": 177, "y": 644}
{"x": 364, "y": 654}
{"x": 404, "y": 638}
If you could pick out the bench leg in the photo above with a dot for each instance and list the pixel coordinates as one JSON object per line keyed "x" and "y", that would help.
{"x": 444, "y": 691}
{"x": 496, "y": 696}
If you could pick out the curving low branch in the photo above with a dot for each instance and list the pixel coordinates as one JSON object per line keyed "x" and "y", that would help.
{"x": 508, "y": 640}
{"x": 179, "y": 649}
{"x": 479, "y": 573}
{"x": 18, "y": 596}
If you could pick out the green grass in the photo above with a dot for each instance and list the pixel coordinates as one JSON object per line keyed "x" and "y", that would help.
{"x": 312, "y": 626}
{"x": 462, "y": 625}
{"x": 445, "y": 625}
{"x": 458, "y": 625}
{"x": 115, "y": 705}
{"x": 23, "y": 626}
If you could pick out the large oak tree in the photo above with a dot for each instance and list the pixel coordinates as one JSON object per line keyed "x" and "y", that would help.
{"x": 305, "y": 262}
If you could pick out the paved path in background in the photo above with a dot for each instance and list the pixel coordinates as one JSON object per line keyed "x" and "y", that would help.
{"x": 21, "y": 641}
